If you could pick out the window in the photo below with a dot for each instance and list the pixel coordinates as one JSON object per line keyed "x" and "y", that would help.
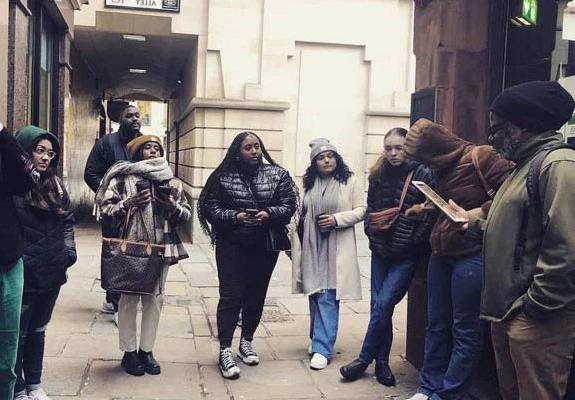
{"x": 42, "y": 55}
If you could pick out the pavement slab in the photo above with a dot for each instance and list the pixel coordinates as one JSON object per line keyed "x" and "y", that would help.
{"x": 83, "y": 359}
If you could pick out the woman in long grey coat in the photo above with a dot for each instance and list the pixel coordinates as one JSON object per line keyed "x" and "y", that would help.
{"x": 324, "y": 253}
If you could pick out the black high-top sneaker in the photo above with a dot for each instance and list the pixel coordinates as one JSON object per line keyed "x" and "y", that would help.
{"x": 228, "y": 366}
{"x": 246, "y": 352}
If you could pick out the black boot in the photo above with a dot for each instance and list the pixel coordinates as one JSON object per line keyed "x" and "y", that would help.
{"x": 131, "y": 364}
{"x": 384, "y": 375}
{"x": 353, "y": 370}
{"x": 150, "y": 364}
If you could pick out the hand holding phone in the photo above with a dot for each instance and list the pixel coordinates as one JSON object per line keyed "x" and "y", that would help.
{"x": 142, "y": 196}
{"x": 248, "y": 217}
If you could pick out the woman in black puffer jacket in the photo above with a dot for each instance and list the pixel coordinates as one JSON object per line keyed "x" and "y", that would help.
{"x": 244, "y": 204}
{"x": 394, "y": 252}
{"x": 49, "y": 250}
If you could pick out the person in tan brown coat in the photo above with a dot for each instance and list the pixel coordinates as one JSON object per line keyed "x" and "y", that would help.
{"x": 468, "y": 174}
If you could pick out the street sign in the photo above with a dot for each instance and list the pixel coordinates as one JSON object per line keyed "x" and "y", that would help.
{"x": 148, "y": 5}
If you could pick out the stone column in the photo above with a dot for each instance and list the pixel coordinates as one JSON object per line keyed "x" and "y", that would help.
{"x": 451, "y": 49}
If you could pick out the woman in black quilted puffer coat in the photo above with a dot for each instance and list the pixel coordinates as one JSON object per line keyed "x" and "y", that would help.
{"x": 49, "y": 250}
{"x": 244, "y": 208}
{"x": 394, "y": 251}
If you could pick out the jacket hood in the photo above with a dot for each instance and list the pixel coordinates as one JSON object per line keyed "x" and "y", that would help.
{"x": 29, "y": 134}
{"x": 434, "y": 145}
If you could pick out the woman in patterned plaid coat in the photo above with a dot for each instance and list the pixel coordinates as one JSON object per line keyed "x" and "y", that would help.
{"x": 161, "y": 206}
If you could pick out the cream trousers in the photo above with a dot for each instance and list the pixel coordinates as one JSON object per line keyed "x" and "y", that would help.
{"x": 127, "y": 318}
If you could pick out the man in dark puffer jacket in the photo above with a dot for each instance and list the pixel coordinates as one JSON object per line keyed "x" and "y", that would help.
{"x": 15, "y": 178}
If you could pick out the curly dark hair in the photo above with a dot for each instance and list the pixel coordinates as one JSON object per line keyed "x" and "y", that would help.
{"x": 231, "y": 163}
{"x": 341, "y": 173}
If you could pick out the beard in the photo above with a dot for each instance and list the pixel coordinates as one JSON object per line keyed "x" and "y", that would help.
{"x": 508, "y": 146}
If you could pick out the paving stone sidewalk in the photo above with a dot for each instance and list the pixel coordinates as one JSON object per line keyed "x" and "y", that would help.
{"x": 82, "y": 359}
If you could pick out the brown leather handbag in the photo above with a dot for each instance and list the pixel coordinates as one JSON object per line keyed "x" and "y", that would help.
{"x": 129, "y": 266}
{"x": 384, "y": 219}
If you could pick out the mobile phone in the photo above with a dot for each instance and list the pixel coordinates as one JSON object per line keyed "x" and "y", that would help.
{"x": 438, "y": 201}
{"x": 165, "y": 190}
{"x": 252, "y": 211}
{"x": 142, "y": 185}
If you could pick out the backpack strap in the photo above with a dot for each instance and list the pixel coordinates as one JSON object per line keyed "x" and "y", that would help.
{"x": 475, "y": 160}
{"x": 535, "y": 172}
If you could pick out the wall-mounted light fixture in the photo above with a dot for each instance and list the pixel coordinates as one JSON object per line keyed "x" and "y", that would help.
{"x": 525, "y": 13}
{"x": 136, "y": 38}
{"x": 138, "y": 71}
{"x": 139, "y": 89}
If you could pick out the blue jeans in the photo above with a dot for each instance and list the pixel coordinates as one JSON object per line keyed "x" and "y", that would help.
{"x": 11, "y": 283}
{"x": 324, "y": 320}
{"x": 453, "y": 338}
{"x": 36, "y": 314}
{"x": 389, "y": 283}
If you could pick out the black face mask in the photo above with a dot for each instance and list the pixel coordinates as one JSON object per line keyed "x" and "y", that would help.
{"x": 502, "y": 140}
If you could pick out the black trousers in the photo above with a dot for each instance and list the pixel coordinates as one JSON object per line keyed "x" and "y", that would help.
{"x": 244, "y": 273}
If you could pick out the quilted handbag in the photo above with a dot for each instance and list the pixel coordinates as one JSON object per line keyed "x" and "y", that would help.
{"x": 129, "y": 266}
{"x": 384, "y": 219}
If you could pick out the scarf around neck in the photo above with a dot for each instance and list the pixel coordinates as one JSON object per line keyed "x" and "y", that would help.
{"x": 319, "y": 250}
{"x": 155, "y": 169}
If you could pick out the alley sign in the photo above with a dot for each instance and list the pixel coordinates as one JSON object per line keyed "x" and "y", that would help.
{"x": 150, "y": 5}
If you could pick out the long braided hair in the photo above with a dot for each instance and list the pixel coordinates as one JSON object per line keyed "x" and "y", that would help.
{"x": 230, "y": 163}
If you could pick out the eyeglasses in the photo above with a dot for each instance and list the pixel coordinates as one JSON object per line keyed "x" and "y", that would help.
{"x": 43, "y": 152}
{"x": 492, "y": 130}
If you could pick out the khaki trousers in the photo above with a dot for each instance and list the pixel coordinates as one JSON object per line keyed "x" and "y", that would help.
{"x": 534, "y": 357}
{"x": 127, "y": 318}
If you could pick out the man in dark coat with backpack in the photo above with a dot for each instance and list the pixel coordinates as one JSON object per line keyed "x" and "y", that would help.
{"x": 104, "y": 154}
{"x": 529, "y": 244}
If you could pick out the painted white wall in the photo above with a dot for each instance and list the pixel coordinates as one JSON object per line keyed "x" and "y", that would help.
{"x": 344, "y": 67}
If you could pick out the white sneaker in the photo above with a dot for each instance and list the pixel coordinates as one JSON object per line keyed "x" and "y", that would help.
{"x": 38, "y": 394}
{"x": 107, "y": 308}
{"x": 21, "y": 396}
{"x": 318, "y": 361}
{"x": 419, "y": 396}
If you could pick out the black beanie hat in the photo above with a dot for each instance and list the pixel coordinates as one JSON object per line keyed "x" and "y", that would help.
{"x": 536, "y": 106}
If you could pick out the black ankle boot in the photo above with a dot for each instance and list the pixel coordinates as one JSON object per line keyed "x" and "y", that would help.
{"x": 150, "y": 364}
{"x": 353, "y": 370}
{"x": 131, "y": 364}
{"x": 384, "y": 375}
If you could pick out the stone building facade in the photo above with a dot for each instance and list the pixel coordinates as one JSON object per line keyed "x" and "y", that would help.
{"x": 290, "y": 71}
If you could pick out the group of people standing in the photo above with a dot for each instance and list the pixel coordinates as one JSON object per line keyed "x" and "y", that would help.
{"x": 509, "y": 262}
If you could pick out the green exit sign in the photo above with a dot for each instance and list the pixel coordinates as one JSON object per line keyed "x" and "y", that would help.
{"x": 530, "y": 11}
{"x": 525, "y": 13}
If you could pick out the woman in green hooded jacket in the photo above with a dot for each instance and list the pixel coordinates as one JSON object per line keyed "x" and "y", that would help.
{"x": 49, "y": 250}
